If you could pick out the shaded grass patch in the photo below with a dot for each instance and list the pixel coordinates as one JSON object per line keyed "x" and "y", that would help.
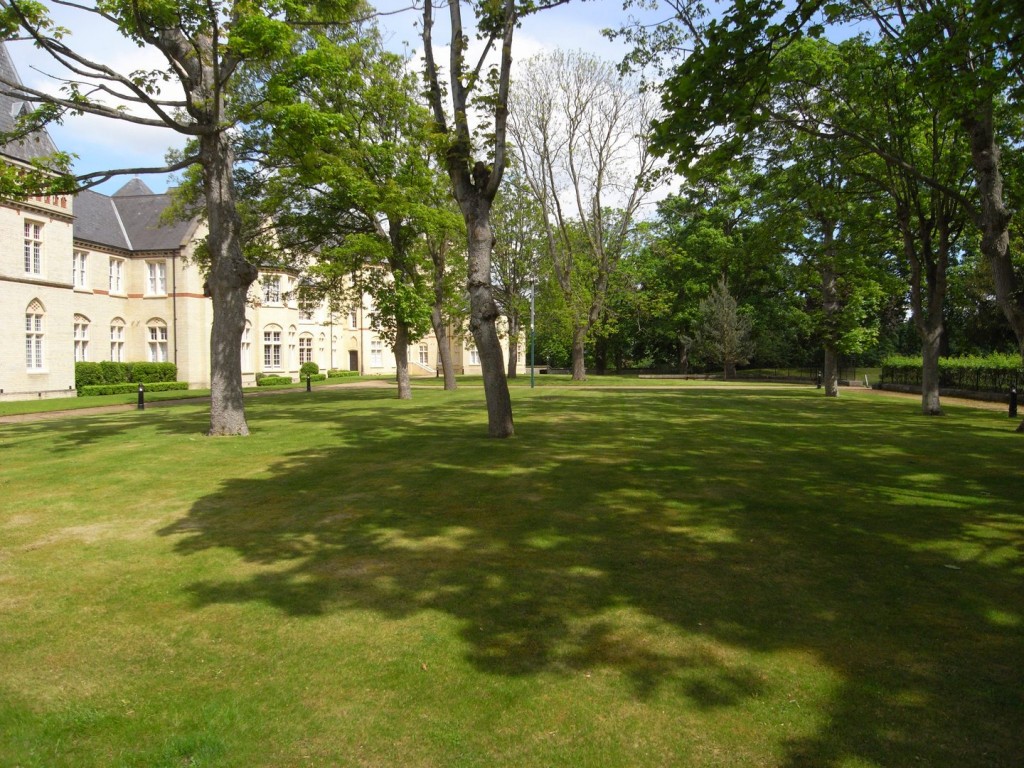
{"x": 683, "y": 576}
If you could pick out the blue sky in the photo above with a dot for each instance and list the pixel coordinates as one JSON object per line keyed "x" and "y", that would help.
{"x": 102, "y": 143}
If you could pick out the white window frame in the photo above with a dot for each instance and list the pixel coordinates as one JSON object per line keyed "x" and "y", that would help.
{"x": 474, "y": 356}
{"x": 376, "y": 353}
{"x": 353, "y": 318}
{"x": 305, "y": 349}
{"x": 156, "y": 335}
{"x": 35, "y": 338}
{"x": 116, "y": 275}
{"x": 79, "y": 276}
{"x": 81, "y": 336}
{"x": 272, "y": 289}
{"x": 117, "y": 341}
{"x": 424, "y": 354}
{"x": 247, "y": 347}
{"x": 33, "y": 247}
{"x": 156, "y": 278}
{"x": 272, "y": 349}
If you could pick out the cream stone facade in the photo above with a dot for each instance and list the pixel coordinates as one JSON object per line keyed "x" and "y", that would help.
{"x": 95, "y": 277}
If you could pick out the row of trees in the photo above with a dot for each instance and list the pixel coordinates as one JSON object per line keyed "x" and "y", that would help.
{"x": 837, "y": 183}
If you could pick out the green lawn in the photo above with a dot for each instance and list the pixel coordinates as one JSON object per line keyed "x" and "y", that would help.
{"x": 641, "y": 577}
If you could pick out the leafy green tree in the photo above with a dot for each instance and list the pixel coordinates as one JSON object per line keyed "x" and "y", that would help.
{"x": 205, "y": 46}
{"x": 518, "y": 241}
{"x": 723, "y": 331}
{"x": 581, "y": 137}
{"x": 476, "y": 168}
{"x": 350, "y": 176}
{"x": 961, "y": 58}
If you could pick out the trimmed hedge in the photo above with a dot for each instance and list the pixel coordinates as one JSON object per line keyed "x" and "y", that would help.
{"x": 270, "y": 381}
{"x": 128, "y": 388}
{"x": 309, "y": 369}
{"x": 107, "y": 372}
{"x": 991, "y": 373}
{"x": 336, "y": 374}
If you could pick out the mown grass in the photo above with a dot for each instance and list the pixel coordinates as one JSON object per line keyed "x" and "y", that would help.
{"x": 692, "y": 577}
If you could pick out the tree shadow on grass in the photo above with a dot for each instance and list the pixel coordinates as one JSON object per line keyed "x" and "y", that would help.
{"x": 730, "y": 523}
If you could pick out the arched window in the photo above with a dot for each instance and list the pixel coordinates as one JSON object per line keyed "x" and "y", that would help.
{"x": 272, "y": 347}
{"x": 305, "y": 348}
{"x": 156, "y": 335}
{"x": 117, "y": 340}
{"x": 34, "y": 337}
{"x": 81, "y": 338}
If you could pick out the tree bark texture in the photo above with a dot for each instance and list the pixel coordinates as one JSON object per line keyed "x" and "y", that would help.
{"x": 483, "y": 316}
{"x": 228, "y": 285}
{"x": 401, "y": 351}
{"x": 995, "y": 220}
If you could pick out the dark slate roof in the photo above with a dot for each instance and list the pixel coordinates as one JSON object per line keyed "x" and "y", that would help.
{"x": 130, "y": 219}
{"x": 35, "y": 145}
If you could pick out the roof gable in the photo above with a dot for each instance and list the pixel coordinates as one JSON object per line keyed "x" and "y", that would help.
{"x": 35, "y": 145}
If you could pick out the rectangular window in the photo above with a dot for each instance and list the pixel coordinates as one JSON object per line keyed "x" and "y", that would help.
{"x": 78, "y": 278}
{"x": 353, "y": 319}
{"x": 305, "y": 310}
{"x": 117, "y": 275}
{"x": 81, "y": 342}
{"x": 156, "y": 278}
{"x": 305, "y": 349}
{"x": 33, "y": 248}
{"x": 272, "y": 290}
{"x": 158, "y": 343}
{"x": 424, "y": 355}
{"x": 34, "y": 341}
{"x": 474, "y": 356}
{"x": 117, "y": 343}
{"x": 271, "y": 349}
{"x": 376, "y": 353}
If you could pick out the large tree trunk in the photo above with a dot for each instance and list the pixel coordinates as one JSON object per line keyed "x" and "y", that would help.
{"x": 995, "y": 221}
{"x": 401, "y": 350}
{"x": 483, "y": 316}
{"x": 830, "y": 371}
{"x": 228, "y": 284}
{"x": 930, "y": 343}
{"x": 444, "y": 348}
{"x": 579, "y": 361}
{"x": 513, "y": 343}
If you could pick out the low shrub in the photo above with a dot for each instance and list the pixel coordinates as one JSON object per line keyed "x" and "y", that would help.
{"x": 152, "y": 372}
{"x": 271, "y": 381}
{"x": 88, "y": 374}
{"x": 129, "y": 387}
{"x": 989, "y": 373}
{"x": 309, "y": 369}
{"x": 115, "y": 373}
{"x": 336, "y": 374}
{"x": 108, "y": 372}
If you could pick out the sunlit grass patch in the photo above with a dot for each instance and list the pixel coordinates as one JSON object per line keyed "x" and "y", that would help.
{"x": 639, "y": 578}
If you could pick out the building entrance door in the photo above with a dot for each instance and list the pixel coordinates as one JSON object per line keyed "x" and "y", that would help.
{"x": 353, "y": 360}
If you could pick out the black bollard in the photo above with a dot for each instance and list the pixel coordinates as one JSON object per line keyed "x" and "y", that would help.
{"x": 142, "y": 397}
{"x": 1013, "y": 402}
{"x": 819, "y": 379}
{"x": 309, "y": 383}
